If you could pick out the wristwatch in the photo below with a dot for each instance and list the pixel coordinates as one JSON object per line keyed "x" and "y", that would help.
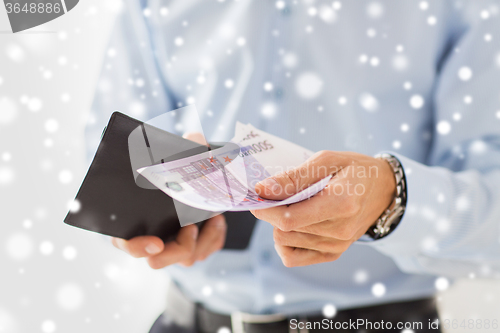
{"x": 391, "y": 217}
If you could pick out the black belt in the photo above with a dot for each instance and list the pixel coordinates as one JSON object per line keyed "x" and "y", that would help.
{"x": 183, "y": 316}
{"x": 411, "y": 315}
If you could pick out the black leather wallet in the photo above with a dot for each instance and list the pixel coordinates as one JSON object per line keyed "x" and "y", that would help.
{"x": 112, "y": 203}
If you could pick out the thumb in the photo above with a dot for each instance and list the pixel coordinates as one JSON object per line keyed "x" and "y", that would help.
{"x": 285, "y": 184}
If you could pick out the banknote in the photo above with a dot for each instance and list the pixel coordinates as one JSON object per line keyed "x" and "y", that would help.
{"x": 225, "y": 179}
{"x": 264, "y": 155}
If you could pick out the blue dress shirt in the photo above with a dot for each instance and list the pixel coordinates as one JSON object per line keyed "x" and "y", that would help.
{"x": 420, "y": 79}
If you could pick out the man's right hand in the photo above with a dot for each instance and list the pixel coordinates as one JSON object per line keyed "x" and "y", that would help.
{"x": 191, "y": 245}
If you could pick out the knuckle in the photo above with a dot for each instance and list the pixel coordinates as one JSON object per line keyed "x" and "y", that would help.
{"x": 291, "y": 177}
{"x": 324, "y": 155}
{"x": 345, "y": 232}
{"x": 185, "y": 253}
{"x": 288, "y": 261}
{"x": 287, "y": 257}
{"x": 279, "y": 236}
{"x": 190, "y": 262}
{"x": 351, "y": 208}
{"x": 332, "y": 256}
{"x": 279, "y": 222}
{"x": 328, "y": 246}
{"x": 339, "y": 247}
{"x": 343, "y": 247}
{"x": 343, "y": 235}
{"x": 285, "y": 225}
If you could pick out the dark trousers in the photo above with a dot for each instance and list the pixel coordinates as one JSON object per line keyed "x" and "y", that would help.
{"x": 414, "y": 316}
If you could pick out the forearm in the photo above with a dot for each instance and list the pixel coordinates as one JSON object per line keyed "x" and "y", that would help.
{"x": 451, "y": 224}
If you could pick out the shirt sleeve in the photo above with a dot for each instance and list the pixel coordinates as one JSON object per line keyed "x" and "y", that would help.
{"x": 130, "y": 79}
{"x": 451, "y": 226}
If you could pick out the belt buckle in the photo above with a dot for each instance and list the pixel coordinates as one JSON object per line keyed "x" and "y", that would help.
{"x": 239, "y": 318}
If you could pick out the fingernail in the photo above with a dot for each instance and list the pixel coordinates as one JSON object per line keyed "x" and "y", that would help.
{"x": 152, "y": 248}
{"x": 271, "y": 184}
{"x": 194, "y": 233}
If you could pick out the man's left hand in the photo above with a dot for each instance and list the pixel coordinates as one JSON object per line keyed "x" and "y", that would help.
{"x": 324, "y": 226}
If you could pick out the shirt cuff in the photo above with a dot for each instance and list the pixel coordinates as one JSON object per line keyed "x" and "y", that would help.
{"x": 426, "y": 207}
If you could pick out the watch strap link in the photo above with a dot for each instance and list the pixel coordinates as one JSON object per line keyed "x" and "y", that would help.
{"x": 392, "y": 215}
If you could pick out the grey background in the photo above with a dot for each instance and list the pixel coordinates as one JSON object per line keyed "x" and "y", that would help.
{"x": 54, "y": 278}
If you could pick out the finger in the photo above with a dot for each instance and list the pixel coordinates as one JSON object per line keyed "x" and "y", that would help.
{"x": 317, "y": 167}
{"x": 196, "y": 137}
{"x": 294, "y": 257}
{"x": 212, "y": 237}
{"x": 309, "y": 241}
{"x": 176, "y": 251}
{"x": 325, "y": 228}
{"x": 326, "y": 205}
{"x": 138, "y": 247}
{"x": 298, "y": 215}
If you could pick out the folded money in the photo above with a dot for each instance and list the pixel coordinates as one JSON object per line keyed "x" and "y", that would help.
{"x": 225, "y": 179}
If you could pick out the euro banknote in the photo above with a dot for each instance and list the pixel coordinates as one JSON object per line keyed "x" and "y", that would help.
{"x": 224, "y": 179}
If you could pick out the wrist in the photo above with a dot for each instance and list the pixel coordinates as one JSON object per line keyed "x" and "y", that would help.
{"x": 391, "y": 216}
{"x": 388, "y": 183}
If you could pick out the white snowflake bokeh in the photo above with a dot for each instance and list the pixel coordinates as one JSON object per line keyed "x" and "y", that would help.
{"x": 71, "y": 281}
{"x": 52, "y": 273}
{"x": 369, "y": 102}
{"x": 308, "y": 85}
{"x": 279, "y": 299}
{"x": 46, "y": 248}
{"x": 442, "y": 283}
{"x": 378, "y": 289}
{"x": 417, "y": 101}
{"x": 329, "y": 310}
{"x": 9, "y": 110}
{"x": 7, "y": 175}
{"x": 19, "y": 246}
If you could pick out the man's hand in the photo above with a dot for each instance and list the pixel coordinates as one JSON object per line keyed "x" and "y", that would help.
{"x": 321, "y": 228}
{"x": 190, "y": 245}
{"x": 187, "y": 248}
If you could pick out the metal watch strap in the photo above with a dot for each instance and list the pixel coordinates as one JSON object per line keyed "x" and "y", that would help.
{"x": 392, "y": 215}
